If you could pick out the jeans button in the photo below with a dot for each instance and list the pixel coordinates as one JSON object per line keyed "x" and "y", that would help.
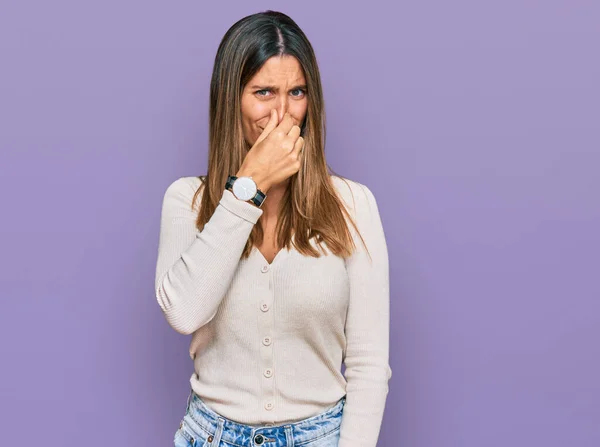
{"x": 259, "y": 439}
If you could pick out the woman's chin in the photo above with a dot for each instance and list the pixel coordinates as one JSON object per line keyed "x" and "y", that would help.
{"x": 251, "y": 143}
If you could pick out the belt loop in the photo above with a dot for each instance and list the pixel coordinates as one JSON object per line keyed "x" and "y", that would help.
{"x": 217, "y": 436}
{"x": 289, "y": 437}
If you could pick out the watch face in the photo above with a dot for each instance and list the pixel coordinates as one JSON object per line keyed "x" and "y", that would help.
{"x": 244, "y": 188}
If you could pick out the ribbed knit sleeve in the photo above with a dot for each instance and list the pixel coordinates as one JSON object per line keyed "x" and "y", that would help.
{"x": 367, "y": 329}
{"x": 194, "y": 268}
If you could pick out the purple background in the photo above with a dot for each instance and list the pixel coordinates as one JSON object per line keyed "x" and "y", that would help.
{"x": 484, "y": 120}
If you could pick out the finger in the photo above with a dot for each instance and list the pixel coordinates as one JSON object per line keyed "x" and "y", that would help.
{"x": 298, "y": 147}
{"x": 286, "y": 123}
{"x": 271, "y": 125}
{"x": 294, "y": 132}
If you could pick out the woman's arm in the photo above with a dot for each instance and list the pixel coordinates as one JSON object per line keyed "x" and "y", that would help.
{"x": 367, "y": 328}
{"x": 194, "y": 268}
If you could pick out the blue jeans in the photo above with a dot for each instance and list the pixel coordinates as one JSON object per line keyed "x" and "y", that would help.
{"x": 202, "y": 427}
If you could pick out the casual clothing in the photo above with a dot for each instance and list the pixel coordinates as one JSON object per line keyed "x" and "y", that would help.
{"x": 202, "y": 427}
{"x": 269, "y": 339}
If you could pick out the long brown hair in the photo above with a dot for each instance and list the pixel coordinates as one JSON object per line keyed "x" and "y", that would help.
{"x": 310, "y": 207}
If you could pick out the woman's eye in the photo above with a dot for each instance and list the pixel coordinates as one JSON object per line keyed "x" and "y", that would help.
{"x": 260, "y": 92}
{"x": 300, "y": 91}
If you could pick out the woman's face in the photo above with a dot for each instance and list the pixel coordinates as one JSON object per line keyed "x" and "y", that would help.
{"x": 279, "y": 85}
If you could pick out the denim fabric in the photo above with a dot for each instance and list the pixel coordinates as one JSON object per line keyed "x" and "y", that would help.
{"x": 202, "y": 427}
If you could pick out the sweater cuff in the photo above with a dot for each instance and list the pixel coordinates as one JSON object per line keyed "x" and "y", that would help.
{"x": 245, "y": 210}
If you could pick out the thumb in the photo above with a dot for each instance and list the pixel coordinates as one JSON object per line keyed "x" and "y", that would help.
{"x": 272, "y": 124}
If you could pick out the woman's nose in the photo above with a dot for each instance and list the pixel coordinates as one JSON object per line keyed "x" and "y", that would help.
{"x": 282, "y": 107}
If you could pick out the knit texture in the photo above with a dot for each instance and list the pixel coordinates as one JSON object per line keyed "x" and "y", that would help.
{"x": 268, "y": 340}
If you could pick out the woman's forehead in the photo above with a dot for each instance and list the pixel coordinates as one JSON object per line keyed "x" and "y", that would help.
{"x": 280, "y": 68}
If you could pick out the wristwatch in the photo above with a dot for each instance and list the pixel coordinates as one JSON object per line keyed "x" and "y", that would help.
{"x": 244, "y": 188}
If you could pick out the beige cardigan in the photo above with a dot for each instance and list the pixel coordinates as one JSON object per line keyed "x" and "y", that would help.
{"x": 268, "y": 340}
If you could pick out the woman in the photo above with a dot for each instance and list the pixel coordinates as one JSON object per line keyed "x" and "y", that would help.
{"x": 277, "y": 268}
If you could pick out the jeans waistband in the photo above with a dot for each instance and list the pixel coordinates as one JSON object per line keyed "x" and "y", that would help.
{"x": 235, "y": 433}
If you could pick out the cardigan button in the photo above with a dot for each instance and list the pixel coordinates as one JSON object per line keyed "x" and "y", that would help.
{"x": 265, "y": 268}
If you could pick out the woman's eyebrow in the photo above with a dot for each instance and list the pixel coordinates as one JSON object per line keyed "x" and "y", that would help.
{"x": 272, "y": 87}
